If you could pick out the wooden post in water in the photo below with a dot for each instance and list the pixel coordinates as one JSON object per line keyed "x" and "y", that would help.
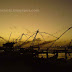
{"x": 38, "y": 51}
{"x": 65, "y": 53}
{"x": 47, "y": 53}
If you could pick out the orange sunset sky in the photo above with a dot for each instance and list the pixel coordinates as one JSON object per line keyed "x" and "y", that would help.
{"x": 51, "y": 16}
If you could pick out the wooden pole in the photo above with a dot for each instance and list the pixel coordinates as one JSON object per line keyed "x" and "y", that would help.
{"x": 65, "y": 53}
{"x": 47, "y": 53}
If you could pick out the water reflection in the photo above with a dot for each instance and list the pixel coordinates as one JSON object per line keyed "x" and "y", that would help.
{"x": 60, "y": 55}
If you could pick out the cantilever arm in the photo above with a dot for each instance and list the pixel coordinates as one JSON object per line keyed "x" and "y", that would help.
{"x": 60, "y": 36}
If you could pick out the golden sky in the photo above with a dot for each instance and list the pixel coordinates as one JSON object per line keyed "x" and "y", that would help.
{"x": 51, "y": 16}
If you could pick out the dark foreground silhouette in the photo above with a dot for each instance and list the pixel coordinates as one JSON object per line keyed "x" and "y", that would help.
{"x": 27, "y": 63}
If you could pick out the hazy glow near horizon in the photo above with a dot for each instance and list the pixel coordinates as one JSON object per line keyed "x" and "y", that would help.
{"x": 54, "y": 17}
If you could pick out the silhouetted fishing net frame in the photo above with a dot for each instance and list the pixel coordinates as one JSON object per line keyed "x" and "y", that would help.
{"x": 36, "y": 32}
{"x": 60, "y": 37}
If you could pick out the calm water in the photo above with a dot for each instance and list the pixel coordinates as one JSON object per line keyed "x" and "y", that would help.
{"x": 60, "y": 55}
